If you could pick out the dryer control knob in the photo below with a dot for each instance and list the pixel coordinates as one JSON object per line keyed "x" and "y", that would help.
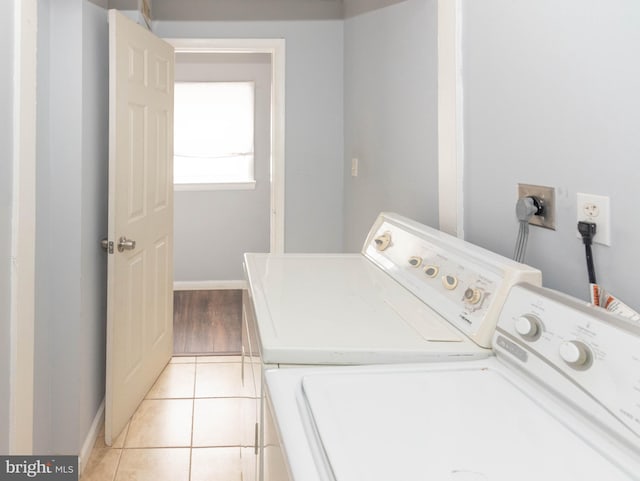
{"x": 449, "y": 282}
{"x": 431, "y": 271}
{"x": 383, "y": 241}
{"x": 529, "y": 327}
{"x": 415, "y": 261}
{"x": 473, "y": 295}
{"x": 576, "y": 354}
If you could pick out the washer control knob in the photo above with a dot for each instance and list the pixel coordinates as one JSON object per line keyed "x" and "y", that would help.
{"x": 383, "y": 241}
{"x": 576, "y": 354}
{"x": 529, "y": 327}
{"x": 449, "y": 282}
{"x": 415, "y": 261}
{"x": 472, "y": 295}
{"x": 431, "y": 271}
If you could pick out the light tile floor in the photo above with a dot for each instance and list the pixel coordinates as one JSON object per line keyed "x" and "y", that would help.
{"x": 186, "y": 429}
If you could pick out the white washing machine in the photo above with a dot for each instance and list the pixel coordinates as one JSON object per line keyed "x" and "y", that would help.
{"x": 560, "y": 401}
{"x": 413, "y": 294}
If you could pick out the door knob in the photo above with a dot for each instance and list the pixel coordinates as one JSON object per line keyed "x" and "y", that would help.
{"x": 125, "y": 244}
{"x": 107, "y": 245}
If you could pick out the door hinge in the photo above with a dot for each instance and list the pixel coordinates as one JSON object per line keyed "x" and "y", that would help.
{"x": 107, "y": 245}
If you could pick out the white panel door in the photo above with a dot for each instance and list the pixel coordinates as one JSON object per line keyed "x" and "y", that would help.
{"x": 140, "y": 268}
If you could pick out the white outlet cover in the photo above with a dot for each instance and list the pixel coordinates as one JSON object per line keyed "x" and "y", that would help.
{"x": 595, "y": 208}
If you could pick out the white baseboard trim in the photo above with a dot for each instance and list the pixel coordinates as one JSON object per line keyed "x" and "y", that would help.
{"x": 208, "y": 285}
{"x": 90, "y": 440}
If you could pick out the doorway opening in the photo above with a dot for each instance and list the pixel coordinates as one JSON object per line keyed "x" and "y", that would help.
{"x": 216, "y": 221}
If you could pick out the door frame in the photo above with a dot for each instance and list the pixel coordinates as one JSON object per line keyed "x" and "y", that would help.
{"x": 276, "y": 48}
{"x": 450, "y": 118}
{"x": 22, "y": 314}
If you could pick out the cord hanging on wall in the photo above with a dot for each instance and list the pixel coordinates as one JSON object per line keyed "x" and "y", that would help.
{"x": 526, "y": 208}
{"x": 587, "y": 231}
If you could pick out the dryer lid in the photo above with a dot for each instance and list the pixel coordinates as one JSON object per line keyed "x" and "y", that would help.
{"x": 342, "y": 309}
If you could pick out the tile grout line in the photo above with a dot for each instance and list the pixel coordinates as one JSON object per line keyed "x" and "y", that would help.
{"x": 193, "y": 414}
{"x": 115, "y": 472}
{"x": 124, "y": 443}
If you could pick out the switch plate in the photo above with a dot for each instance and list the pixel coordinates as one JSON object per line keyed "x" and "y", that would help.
{"x": 548, "y": 197}
{"x": 354, "y": 167}
{"x": 595, "y": 208}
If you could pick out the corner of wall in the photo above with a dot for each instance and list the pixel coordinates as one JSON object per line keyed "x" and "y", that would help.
{"x": 93, "y": 214}
{"x": 72, "y": 167}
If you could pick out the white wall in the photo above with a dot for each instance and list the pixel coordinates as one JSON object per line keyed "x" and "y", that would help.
{"x": 213, "y": 229}
{"x": 6, "y": 154}
{"x": 314, "y": 121}
{"x": 391, "y": 116}
{"x": 71, "y": 219}
{"x": 552, "y": 97}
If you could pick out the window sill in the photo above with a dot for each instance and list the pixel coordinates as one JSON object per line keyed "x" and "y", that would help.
{"x": 248, "y": 185}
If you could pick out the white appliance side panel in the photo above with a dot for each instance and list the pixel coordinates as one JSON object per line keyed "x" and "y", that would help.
{"x": 464, "y": 424}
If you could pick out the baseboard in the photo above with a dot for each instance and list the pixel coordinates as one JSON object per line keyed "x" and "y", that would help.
{"x": 90, "y": 440}
{"x": 208, "y": 285}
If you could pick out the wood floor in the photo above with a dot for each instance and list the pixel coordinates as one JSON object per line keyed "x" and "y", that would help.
{"x": 207, "y": 322}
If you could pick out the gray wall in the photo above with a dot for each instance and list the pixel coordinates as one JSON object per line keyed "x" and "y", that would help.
{"x": 391, "y": 116}
{"x": 356, "y": 7}
{"x": 551, "y": 97}
{"x": 42, "y": 409}
{"x": 214, "y": 228}
{"x": 254, "y": 9}
{"x": 314, "y": 121}
{"x": 94, "y": 198}
{"x": 71, "y": 218}
{"x": 6, "y": 159}
{"x": 245, "y": 10}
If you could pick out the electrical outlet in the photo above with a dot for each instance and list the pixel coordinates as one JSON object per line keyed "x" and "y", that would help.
{"x": 547, "y": 195}
{"x": 595, "y": 208}
{"x": 354, "y": 167}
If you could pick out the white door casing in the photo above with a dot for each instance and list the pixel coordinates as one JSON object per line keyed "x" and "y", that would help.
{"x": 140, "y": 277}
{"x": 23, "y": 228}
{"x": 450, "y": 118}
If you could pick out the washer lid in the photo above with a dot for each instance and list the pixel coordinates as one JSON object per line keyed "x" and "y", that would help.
{"x": 466, "y": 424}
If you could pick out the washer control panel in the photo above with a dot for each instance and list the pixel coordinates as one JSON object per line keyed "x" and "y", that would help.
{"x": 570, "y": 346}
{"x": 464, "y": 283}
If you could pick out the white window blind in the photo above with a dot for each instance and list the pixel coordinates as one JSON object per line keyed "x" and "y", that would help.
{"x": 213, "y": 132}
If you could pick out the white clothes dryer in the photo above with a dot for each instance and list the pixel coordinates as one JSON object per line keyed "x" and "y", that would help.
{"x": 412, "y": 294}
{"x": 560, "y": 401}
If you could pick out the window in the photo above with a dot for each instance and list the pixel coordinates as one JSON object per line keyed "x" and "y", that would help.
{"x": 213, "y": 133}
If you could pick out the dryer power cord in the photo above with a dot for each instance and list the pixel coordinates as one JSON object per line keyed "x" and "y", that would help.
{"x": 587, "y": 231}
{"x": 526, "y": 208}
